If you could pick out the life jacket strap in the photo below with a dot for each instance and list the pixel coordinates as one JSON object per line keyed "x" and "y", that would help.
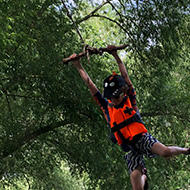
{"x": 134, "y": 118}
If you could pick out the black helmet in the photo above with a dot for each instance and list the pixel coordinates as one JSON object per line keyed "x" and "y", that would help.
{"x": 112, "y": 85}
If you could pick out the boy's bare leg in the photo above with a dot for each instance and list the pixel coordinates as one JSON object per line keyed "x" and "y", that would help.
{"x": 168, "y": 151}
{"x": 138, "y": 179}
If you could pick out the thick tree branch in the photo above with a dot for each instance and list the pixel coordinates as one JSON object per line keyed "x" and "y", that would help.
{"x": 92, "y": 51}
{"x": 28, "y": 137}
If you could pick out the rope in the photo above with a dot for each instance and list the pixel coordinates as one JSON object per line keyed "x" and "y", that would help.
{"x": 70, "y": 16}
{"x": 86, "y": 49}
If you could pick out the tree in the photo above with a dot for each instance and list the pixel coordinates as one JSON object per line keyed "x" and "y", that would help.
{"x": 45, "y": 122}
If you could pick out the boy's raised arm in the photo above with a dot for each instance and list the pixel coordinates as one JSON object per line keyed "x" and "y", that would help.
{"x": 122, "y": 67}
{"x": 77, "y": 64}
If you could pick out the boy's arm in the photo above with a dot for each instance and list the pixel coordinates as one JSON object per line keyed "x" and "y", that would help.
{"x": 123, "y": 71}
{"x": 102, "y": 102}
{"x": 122, "y": 67}
{"x": 76, "y": 63}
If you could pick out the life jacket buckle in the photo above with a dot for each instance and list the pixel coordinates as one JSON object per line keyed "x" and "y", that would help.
{"x": 128, "y": 110}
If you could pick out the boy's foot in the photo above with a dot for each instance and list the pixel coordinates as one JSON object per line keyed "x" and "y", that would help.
{"x": 188, "y": 151}
{"x": 144, "y": 171}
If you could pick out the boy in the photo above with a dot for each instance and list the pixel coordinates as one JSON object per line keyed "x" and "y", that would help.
{"x": 121, "y": 112}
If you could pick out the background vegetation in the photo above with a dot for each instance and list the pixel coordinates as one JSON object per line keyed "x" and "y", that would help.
{"x": 52, "y": 134}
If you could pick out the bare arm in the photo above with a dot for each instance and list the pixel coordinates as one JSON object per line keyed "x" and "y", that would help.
{"x": 92, "y": 87}
{"x": 122, "y": 67}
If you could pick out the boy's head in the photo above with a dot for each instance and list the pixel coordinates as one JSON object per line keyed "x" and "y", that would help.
{"x": 113, "y": 86}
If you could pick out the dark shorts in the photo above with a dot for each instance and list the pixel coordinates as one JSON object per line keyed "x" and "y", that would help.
{"x": 142, "y": 147}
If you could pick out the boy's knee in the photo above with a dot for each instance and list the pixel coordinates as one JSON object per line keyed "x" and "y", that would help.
{"x": 136, "y": 177}
{"x": 137, "y": 185}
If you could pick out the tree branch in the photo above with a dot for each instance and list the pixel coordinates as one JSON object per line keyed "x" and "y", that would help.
{"x": 92, "y": 51}
{"x": 28, "y": 137}
{"x": 93, "y": 12}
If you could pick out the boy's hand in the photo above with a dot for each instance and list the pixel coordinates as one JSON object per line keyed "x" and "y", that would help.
{"x": 75, "y": 59}
{"x": 112, "y": 49}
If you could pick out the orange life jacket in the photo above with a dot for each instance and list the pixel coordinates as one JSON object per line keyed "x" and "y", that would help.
{"x": 125, "y": 122}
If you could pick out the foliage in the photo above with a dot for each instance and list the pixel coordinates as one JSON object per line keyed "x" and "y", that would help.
{"x": 52, "y": 133}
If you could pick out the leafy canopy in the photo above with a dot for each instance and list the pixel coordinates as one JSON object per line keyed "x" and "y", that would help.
{"x": 52, "y": 133}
